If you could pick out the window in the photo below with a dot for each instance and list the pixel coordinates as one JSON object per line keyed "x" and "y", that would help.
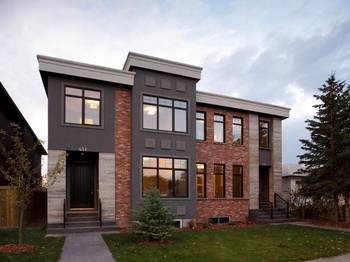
{"x": 219, "y": 181}
{"x": 201, "y": 180}
{"x": 82, "y": 106}
{"x": 219, "y": 220}
{"x": 237, "y": 182}
{"x": 200, "y": 126}
{"x": 219, "y": 128}
{"x": 169, "y": 175}
{"x": 164, "y": 114}
{"x": 264, "y": 134}
{"x": 237, "y": 130}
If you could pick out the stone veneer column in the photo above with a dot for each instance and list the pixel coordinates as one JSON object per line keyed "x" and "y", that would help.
{"x": 56, "y": 193}
{"x": 277, "y": 155}
{"x": 106, "y": 182}
{"x": 253, "y": 161}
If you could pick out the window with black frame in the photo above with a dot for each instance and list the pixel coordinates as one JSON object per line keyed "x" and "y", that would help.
{"x": 201, "y": 180}
{"x": 219, "y": 180}
{"x": 200, "y": 126}
{"x": 264, "y": 130}
{"x": 219, "y": 128}
{"x": 82, "y": 106}
{"x": 237, "y": 182}
{"x": 237, "y": 130}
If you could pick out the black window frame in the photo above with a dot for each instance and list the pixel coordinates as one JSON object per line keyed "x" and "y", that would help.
{"x": 223, "y": 129}
{"x": 239, "y": 125}
{"x": 205, "y": 125}
{"x": 83, "y": 98}
{"x": 173, "y": 174}
{"x": 204, "y": 179}
{"x": 268, "y": 134}
{"x": 241, "y": 179}
{"x": 224, "y": 180}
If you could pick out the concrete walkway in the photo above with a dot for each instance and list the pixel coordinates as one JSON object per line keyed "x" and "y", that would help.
{"x": 85, "y": 247}
{"x": 303, "y": 224}
{"x": 343, "y": 258}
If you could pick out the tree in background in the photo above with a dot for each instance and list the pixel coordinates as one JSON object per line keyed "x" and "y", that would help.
{"x": 324, "y": 154}
{"x": 154, "y": 221}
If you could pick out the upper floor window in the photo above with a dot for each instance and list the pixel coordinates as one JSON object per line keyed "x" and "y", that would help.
{"x": 264, "y": 134}
{"x": 82, "y": 106}
{"x": 237, "y": 130}
{"x": 200, "y": 126}
{"x": 164, "y": 114}
{"x": 219, "y": 128}
{"x": 237, "y": 182}
{"x": 219, "y": 180}
{"x": 200, "y": 179}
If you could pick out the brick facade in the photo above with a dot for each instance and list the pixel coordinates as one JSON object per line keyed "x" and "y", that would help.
{"x": 123, "y": 157}
{"x": 229, "y": 154}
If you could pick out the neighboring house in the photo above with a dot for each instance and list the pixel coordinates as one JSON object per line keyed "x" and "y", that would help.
{"x": 213, "y": 157}
{"x": 290, "y": 180}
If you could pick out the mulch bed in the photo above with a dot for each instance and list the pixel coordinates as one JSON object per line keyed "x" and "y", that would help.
{"x": 327, "y": 223}
{"x": 16, "y": 248}
{"x": 201, "y": 226}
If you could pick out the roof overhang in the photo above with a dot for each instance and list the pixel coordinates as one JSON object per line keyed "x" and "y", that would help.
{"x": 162, "y": 65}
{"x": 49, "y": 64}
{"x": 242, "y": 104}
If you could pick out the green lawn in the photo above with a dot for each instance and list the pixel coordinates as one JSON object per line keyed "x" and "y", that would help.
{"x": 48, "y": 249}
{"x": 261, "y": 243}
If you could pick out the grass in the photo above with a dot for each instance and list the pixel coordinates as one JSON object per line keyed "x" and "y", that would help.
{"x": 47, "y": 249}
{"x": 261, "y": 243}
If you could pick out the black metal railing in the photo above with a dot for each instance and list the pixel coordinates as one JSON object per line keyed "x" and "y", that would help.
{"x": 100, "y": 211}
{"x": 64, "y": 213}
{"x": 266, "y": 205}
{"x": 281, "y": 203}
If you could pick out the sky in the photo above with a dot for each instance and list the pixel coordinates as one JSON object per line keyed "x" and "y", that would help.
{"x": 277, "y": 52}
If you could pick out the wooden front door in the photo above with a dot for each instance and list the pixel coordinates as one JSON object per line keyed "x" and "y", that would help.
{"x": 264, "y": 183}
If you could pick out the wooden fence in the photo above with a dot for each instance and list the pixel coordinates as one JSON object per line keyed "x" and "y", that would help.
{"x": 8, "y": 211}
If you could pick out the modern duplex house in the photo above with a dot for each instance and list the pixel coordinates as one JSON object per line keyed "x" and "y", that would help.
{"x": 212, "y": 157}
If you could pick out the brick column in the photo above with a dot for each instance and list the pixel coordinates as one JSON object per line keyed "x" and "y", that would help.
{"x": 253, "y": 161}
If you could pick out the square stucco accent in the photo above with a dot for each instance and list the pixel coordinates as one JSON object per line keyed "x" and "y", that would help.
{"x": 180, "y": 145}
{"x": 180, "y": 86}
{"x": 150, "y": 143}
{"x": 253, "y": 161}
{"x": 150, "y": 81}
{"x": 165, "y": 144}
{"x": 277, "y": 155}
{"x": 165, "y": 83}
{"x": 106, "y": 175}
{"x": 56, "y": 193}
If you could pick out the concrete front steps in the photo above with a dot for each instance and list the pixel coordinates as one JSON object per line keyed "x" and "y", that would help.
{"x": 278, "y": 216}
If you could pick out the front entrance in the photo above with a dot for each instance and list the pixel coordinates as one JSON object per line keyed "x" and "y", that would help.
{"x": 82, "y": 180}
{"x": 264, "y": 183}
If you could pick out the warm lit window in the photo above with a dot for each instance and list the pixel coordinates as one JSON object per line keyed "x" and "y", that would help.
{"x": 237, "y": 182}
{"x": 219, "y": 128}
{"x": 200, "y": 180}
{"x": 164, "y": 114}
{"x": 82, "y": 106}
{"x": 200, "y": 126}
{"x": 237, "y": 130}
{"x": 264, "y": 134}
{"x": 219, "y": 181}
{"x": 169, "y": 175}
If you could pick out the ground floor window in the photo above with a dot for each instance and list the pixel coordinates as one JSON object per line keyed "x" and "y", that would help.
{"x": 237, "y": 182}
{"x": 200, "y": 180}
{"x": 169, "y": 175}
{"x": 219, "y": 181}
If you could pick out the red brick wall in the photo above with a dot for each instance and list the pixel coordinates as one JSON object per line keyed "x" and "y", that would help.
{"x": 123, "y": 157}
{"x": 229, "y": 154}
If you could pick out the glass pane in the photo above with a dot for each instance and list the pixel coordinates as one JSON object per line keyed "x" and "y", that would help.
{"x": 165, "y": 163}
{"x": 165, "y": 118}
{"x": 237, "y": 186}
{"x": 237, "y": 134}
{"x": 165, "y": 183}
{"x": 180, "y": 120}
{"x": 264, "y": 125}
{"x": 200, "y": 185}
{"x": 199, "y": 115}
{"x": 237, "y": 170}
{"x": 74, "y": 91}
{"x": 149, "y": 180}
{"x": 264, "y": 137}
{"x": 149, "y": 161}
{"x": 200, "y": 129}
{"x": 200, "y": 168}
{"x": 218, "y": 132}
{"x": 237, "y": 120}
{"x": 92, "y": 112}
{"x": 165, "y": 102}
{"x": 218, "y": 118}
{"x": 92, "y": 94}
{"x": 219, "y": 186}
{"x": 150, "y": 99}
{"x": 73, "y": 112}
{"x": 181, "y": 183}
{"x": 180, "y": 163}
{"x": 218, "y": 169}
{"x": 180, "y": 104}
{"x": 150, "y": 116}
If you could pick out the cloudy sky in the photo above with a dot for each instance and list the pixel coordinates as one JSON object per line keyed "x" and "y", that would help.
{"x": 272, "y": 51}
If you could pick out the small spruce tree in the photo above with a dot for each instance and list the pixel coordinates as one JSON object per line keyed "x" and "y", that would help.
{"x": 154, "y": 221}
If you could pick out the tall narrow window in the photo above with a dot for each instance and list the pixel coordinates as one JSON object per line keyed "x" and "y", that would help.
{"x": 219, "y": 181}
{"x": 264, "y": 134}
{"x": 201, "y": 180}
{"x": 237, "y": 182}
{"x": 237, "y": 130}
{"x": 219, "y": 128}
{"x": 200, "y": 126}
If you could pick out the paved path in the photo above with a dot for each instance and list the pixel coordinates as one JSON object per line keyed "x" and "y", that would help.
{"x": 303, "y": 224}
{"x": 343, "y": 258}
{"x": 85, "y": 247}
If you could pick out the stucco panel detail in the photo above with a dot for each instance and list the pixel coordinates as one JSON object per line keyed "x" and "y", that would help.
{"x": 253, "y": 161}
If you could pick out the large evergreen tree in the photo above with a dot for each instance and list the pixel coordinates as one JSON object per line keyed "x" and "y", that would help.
{"x": 324, "y": 154}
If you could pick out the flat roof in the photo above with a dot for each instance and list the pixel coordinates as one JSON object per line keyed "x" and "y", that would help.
{"x": 163, "y": 65}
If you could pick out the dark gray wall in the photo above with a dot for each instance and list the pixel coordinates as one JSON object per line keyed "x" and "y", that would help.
{"x": 69, "y": 137}
{"x": 151, "y": 82}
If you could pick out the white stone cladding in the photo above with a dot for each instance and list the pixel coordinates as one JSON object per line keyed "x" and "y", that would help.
{"x": 253, "y": 161}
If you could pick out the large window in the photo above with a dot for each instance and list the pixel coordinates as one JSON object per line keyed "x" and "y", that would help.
{"x": 200, "y": 180}
{"x": 82, "y": 106}
{"x": 164, "y": 114}
{"x": 237, "y": 130}
{"x": 219, "y": 128}
{"x": 200, "y": 126}
{"x": 219, "y": 180}
{"x": 264, "y": 134}
{"x": 237, "y": 182}
{"x": 169, "y": 175}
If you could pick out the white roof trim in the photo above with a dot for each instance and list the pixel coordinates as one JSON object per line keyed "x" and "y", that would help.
{"x": 238, "y": 103}
{"x": 162, "y": 65}
{"x": 68, "y": 67}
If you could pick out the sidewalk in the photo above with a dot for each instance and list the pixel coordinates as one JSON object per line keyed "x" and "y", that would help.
{"x": 303, "y": 224}
{"x": 343, "y": 258}
{"x": 85, "y": 247}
